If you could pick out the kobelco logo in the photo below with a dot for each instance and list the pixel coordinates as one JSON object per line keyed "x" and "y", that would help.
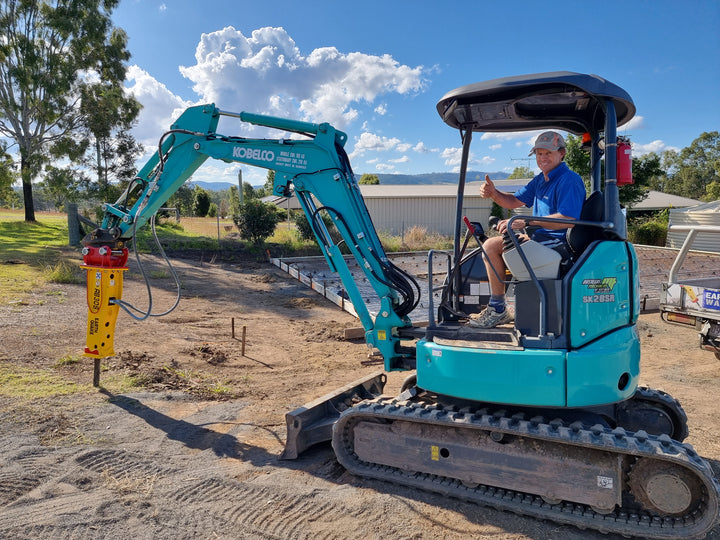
{"x": 242, "y": 152}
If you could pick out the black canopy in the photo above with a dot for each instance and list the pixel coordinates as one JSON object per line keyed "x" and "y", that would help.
{"x": 563, "y": 100}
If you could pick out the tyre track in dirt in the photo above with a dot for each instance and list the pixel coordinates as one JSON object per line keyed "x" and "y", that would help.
{"x": 267, "y": 511}
{"x": 100, "y": 492}
{"x": 180, "y": 488}
{"x": 22, "y": 469}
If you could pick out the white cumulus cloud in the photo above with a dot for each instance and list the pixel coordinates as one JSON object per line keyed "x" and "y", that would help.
{"x": 420, "y": 148}
{"x": 373, "y": 143}
{"x": 453, "y": 158}
{"x": 657, "y": 146}
{"x": 268, "y": 73}
{"x": 160, "y": 106}
{"x": 636, "y": 122}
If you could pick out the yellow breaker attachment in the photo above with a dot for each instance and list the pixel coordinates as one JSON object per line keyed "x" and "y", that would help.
{"x": 105, "y": 269}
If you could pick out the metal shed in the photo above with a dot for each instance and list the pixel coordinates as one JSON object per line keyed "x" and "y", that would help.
{"x": 397, "y": 208}
{"x": 701, "y": 215}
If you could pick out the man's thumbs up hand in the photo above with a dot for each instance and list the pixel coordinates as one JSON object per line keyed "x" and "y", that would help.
{"x": 487, "y": 189}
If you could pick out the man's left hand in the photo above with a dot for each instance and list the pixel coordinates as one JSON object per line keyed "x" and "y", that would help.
{"x": 517, "y": 224}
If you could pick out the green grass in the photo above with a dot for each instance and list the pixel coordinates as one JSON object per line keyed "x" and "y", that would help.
{"x": 33, "y": 383}
{"x": 17, "y": 281}
{"x": 68, "y": 360}
{"x": 64, "y": 272}
{"x": 32, "y": 242}
{"x": 29, "y": 383}
{"x": 287, "y": 242}
{"x": 33, "y": 254}
{"x": 173, "y": 237}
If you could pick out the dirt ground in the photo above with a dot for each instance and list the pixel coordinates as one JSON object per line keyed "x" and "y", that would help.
{"x": 173, "y": 461}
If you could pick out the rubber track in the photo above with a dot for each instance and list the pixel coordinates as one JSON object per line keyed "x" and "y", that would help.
{"x": 623, "y": 522}
{"x": 671, "y": 405}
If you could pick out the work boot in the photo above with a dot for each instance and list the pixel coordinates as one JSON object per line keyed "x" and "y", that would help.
{"x": 489, "y": 318}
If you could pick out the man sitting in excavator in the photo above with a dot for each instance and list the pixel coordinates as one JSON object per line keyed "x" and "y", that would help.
{"x": 557, "y": 192}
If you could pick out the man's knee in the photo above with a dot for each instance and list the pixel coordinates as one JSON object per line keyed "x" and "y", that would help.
{"x": 494, "y": 245}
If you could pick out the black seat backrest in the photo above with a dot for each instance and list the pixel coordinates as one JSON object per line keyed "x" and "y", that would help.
{"x": 581, "y": 236}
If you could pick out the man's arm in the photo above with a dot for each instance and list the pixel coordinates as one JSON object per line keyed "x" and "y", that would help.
{"x": 546, "y": 224}
{"x": 506, "y": 200}
{"x": 521, "y": 223}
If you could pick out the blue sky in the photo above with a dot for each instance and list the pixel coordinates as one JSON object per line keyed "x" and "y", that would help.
{"x": 376, "y": 68}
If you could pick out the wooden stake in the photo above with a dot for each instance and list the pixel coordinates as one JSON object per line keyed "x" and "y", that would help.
{"x": 243, "y": 340}
{"x": 233, "y": 327}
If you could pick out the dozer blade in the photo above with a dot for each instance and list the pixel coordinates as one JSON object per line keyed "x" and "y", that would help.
{"x": 313, "y": 422}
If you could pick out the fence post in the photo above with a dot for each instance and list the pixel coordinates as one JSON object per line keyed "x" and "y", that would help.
{"x": 73, "y": 224}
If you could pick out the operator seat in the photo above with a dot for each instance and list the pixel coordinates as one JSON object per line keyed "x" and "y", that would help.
{"x": 527, "y": 298}
{"x": 580, "y": 237}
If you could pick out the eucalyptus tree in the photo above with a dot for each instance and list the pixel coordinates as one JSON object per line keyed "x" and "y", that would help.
{"x": 694, "y": 170}
{"x": 6, "y": 172}
{"x": 51, "y": 53}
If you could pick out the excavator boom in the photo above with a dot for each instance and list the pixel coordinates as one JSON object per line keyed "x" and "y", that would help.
{"x": 314, "y": 167}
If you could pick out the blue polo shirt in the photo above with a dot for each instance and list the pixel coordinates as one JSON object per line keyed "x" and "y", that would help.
{"x": 563, "y": 193}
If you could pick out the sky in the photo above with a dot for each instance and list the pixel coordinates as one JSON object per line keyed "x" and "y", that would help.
{"x": 376, "y": 69}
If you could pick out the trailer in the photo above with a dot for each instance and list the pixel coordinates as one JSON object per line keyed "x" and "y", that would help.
{"x": 693, "y": 302}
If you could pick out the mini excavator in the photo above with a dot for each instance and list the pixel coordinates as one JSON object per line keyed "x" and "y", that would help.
{"x": 543, "y": 417}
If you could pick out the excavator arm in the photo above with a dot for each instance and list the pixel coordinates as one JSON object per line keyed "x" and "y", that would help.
{"x": 315, "y": 167}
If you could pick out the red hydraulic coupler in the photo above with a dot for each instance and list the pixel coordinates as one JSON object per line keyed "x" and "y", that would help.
{"x": 105, "y": 269}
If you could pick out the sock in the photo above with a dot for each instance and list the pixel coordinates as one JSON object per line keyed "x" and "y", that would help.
{"x": 497, "y": 302}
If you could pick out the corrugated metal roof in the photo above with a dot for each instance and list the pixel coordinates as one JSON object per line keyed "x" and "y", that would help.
{"x": 711, "y": 207}
{"x": 434, "y": 190}
{"x": 282, "y": 202}
{"x": 657, "y": 200}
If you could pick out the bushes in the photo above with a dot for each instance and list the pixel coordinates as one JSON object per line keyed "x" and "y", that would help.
{"x": 651, "y": 233}
{"x": 305, "y": 229}
{"x": 649, "y": 230}
{"x": 257, "y": 221}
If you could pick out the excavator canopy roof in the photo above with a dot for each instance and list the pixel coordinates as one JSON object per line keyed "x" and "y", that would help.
{"x": 563, "y": 100}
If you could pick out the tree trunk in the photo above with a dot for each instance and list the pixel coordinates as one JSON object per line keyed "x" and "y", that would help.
{"x": 26, "y": 175}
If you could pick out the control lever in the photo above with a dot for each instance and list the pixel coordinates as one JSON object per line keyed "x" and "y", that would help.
{"x": 476, "y": 230}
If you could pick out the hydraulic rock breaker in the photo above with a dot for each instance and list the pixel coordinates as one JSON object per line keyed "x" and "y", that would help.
{"x": 105, "y": 269}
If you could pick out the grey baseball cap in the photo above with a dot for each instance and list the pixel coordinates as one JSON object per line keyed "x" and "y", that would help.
{"x": 549, "y": 140}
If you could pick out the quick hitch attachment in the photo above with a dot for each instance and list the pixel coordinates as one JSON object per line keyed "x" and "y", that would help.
{"x": 105, "y": 268}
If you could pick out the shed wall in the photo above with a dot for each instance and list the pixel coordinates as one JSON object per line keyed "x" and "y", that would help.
{"x": 395, "y": 215}
{"x": 689, "y": 218}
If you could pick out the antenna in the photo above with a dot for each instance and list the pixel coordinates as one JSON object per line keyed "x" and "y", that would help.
{"x": 528, "y": 159}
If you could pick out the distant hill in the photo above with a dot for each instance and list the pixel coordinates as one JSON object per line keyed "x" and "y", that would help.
{"x": 389, "y": 179}
{"x": 213, "y": 186}
{"x": 436, "y": 177}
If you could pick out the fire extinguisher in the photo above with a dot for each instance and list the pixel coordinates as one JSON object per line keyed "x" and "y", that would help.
{"x": 624, "y": 162}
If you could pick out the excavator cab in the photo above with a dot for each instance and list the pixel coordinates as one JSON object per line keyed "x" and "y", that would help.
{"x": 574, "y": 341}
{"x": 543, "y": 417}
